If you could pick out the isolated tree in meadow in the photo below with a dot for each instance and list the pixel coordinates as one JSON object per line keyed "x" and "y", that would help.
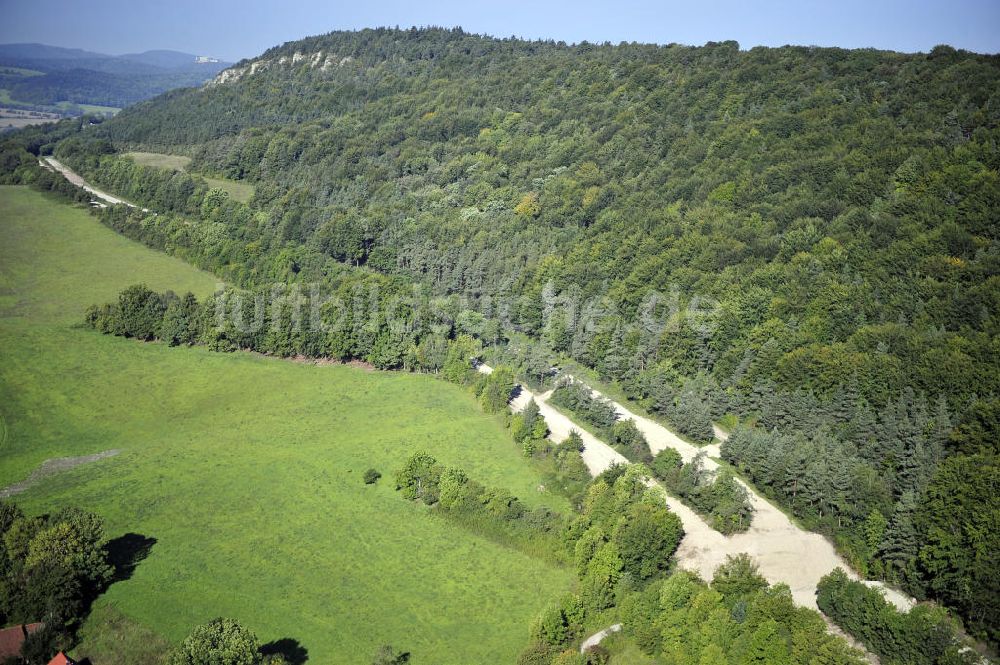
{"x": 56, "y": 563}
{"x": 419, "y": 477}
{"x": 65, "y": 545}
{"x": 219, "y": 642}
{"x": 387, "y": 655}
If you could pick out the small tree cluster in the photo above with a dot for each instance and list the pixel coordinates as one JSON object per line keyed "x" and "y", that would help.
{"x": 925, "y": 635}
{"x": 51, "y": 568}
{"x": 224, "y": 641}
{"x": 581, "y": 400}
{"x": 717, "y": 496}
{"x": 491, "y": 510}
{"x": 737, "y": 620}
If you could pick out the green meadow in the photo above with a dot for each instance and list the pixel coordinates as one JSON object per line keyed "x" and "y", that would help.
{"x": 241, "y": 191}
{"x": 247, "y": 471}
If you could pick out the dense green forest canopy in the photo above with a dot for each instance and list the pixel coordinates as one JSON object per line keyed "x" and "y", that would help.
{"x": 839, "y": 203}
{"x": 803, "y": 239}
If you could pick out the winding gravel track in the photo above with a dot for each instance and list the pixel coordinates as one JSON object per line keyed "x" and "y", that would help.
{"x": 785, "y": 552}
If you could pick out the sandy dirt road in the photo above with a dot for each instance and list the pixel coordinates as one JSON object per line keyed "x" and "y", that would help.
{"x": 784, "y": 552}
{"x": 75, "y": 178}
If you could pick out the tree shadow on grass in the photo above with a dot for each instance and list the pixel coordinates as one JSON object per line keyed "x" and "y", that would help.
{"x": 126, "y": 552}
{"x": 290, "y": 648}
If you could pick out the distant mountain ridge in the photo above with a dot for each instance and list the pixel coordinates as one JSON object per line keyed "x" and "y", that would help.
{"x": 86, "y": 77}
{"x": 57, "y": 57}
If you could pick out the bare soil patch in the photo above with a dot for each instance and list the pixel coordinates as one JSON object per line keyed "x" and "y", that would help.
{"x": 51, "y": 467}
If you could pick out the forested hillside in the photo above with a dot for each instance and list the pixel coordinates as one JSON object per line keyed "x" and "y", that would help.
{"x": 820, "y": 225}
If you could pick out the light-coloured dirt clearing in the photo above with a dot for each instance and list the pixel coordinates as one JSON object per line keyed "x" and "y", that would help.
{"x": 53, "y": 466}
{"x": 785, "y": 552}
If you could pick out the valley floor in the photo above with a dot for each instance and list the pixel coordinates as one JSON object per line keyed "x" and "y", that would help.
{"x": 244, "y": 472}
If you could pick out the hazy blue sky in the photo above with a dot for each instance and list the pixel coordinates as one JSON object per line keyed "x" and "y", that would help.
{"x": 233, "y": 29}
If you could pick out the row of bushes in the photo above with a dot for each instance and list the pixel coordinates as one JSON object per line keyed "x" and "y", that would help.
{"x": 236, "y": 319}
{"x": 563, "y": 470}
{"x": 20, "y": 167}
{"x": 581, "y": 400}
{"x": 492, "y": 511}
{"x": 622, "y": 539}
{"x": 718, "y": 497}
{"x": 623, "y": 435}
{"x": 923, "y": 636}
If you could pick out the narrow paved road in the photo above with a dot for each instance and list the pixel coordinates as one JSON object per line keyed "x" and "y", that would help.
{"x": 785, "y": 553}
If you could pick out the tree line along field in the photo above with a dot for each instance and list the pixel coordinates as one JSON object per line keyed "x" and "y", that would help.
{"x": 247, "y": 471}
{"x": 836, "y": 204}
{"x": 240, "y": 191}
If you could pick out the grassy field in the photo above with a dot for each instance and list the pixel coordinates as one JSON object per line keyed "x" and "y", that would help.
{"x": 160, "y": 160}
{"x": 19, "y": 71}
{"x": 247, "y": 471}
{"x": 89, "y": 108}
{"x": 240, "y": 191}
{"x": 59, "y": 107}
